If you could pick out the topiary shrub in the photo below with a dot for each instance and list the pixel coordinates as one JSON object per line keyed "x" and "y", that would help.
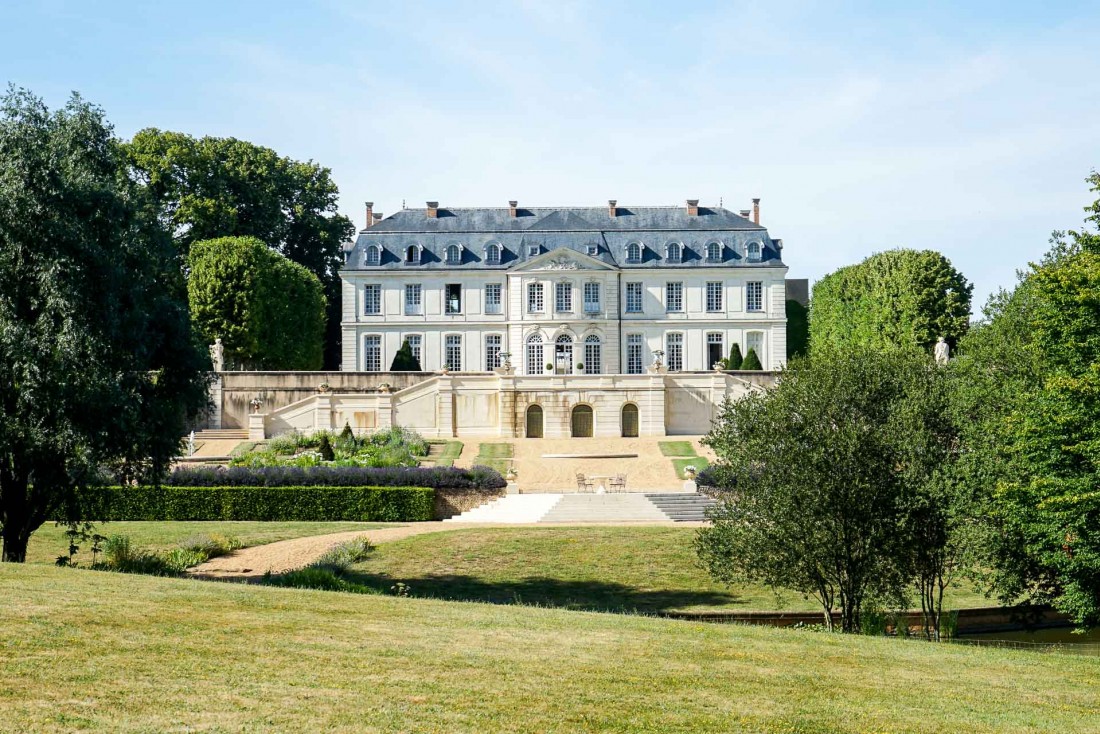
{"x": 752, "y": 362}
{"x": 735, "y": 359}
{"x": 325, "y": 449}
{"x": 337, "y": 476}
{"x": 405, "y": 360}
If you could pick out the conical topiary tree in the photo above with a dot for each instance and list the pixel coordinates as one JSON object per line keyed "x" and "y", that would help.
{"x": 405, "y": 360}
{"x": 735, "y": 361}
{"x": 325, "y": 449}
{"x": 752, "y": 362}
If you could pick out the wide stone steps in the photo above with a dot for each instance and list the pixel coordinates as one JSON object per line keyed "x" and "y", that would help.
{"x": 586, "y": 508}
{"x": 222, "y": 434}
{"x": 685, "y": 507}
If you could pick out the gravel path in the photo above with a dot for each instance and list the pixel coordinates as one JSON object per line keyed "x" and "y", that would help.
{"x": 285, "y": 555}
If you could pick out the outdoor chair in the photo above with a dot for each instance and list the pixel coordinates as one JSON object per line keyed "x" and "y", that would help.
{"x": 583, "y": 485}
{"x": 618, "y": 483}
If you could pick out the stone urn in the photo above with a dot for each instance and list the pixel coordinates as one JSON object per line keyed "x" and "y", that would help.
{"x": 323, "y": 388}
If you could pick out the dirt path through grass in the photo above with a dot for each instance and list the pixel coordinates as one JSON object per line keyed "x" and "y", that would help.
{"x": 286, "y": 555}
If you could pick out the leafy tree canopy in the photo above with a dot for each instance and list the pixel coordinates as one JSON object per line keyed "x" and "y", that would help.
{"x": 893, "y": 298}
{"x": 268, "y": 311}
{"x": 98, "y": 367}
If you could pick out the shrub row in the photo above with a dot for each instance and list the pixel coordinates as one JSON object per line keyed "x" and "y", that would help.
{"x": 385, "y": 504}
{"x": 479, "y": 477}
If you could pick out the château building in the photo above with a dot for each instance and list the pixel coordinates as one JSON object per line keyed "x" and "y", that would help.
{"x": 564, "y": 290}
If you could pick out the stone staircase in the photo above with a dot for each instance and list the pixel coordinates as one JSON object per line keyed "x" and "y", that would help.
{"x": 222, "y": 434}
{"x": 585, "y": 508}
{"x": 683, "y": 507}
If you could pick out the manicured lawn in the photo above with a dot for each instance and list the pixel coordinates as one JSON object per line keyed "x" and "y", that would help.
{"x": 646, "y": 569}
{"x": 699, "y": 462}
{"x": 676, "y": 448}
{"x": 495, "y": 455}
{"x": 451, "y": 451}
{"x": 95, "y": 651}
{"x": 49, "y": 541}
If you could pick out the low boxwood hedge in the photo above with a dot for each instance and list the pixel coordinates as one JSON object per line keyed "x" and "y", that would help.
{"x": 375, "y": 504}
{"x": 478, "y": 477}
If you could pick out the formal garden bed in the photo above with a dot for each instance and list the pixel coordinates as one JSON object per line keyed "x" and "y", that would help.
{"x": 387, "y": 448}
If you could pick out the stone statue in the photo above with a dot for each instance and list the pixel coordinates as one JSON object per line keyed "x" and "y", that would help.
{"x": 191, "y": 444}
{"x": 217, "y": 355}
{"x": 942, "y": 351}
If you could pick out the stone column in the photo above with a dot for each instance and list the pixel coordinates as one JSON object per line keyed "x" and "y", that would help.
{"x": 256, "y": 430}
{"x": 506, "y": 403}
{"x": 216, "y": 389}
{"x": 445, "y": 408}
{"x": 653, "y": 418}
{"x": 322, "y": 412}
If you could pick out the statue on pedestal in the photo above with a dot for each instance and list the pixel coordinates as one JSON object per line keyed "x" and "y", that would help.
{"x": 217, "y": 355}
{"x": 942, "y": 351}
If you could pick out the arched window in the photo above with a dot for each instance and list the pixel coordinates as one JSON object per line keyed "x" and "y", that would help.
{"x": 412, "y": 254}
{"x": 633, "y": 253}
{"x": 374, "y": 255}
{"x": 581, "y": 421}
{"x": 492, "y": 254}
{"x": 563, "y": 355}
{"x": 674, "y": 252}
{"x": 714, "y": 252}
{"x": 630, "y": 420}
{"x": 534, "y": 421}
{"x": 534, "y": 362}
{"x": 454, "y": 254}
{"x": 593, "y": 355}
{"x": 753, "y": 252}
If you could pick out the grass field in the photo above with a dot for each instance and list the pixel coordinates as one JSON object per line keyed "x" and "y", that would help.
{"x": 699, "y": 462}
{"x": 49, "y": 541}
{"x": 495, "y": 455}
{"x": 123, "y": 653}
{"x": 646, "y": 569}
{"x": 676, "y": 448}
{"x": 451, "y": 451}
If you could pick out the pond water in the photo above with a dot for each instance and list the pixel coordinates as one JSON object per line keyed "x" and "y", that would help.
{"x": 1064, "y": 638}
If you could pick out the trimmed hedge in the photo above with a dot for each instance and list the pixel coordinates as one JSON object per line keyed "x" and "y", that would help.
{"x": 376, "y": 504}
{"x": 479, "y": 477}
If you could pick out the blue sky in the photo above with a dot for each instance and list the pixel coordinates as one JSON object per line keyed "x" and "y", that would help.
{"x": 862, "y": 126}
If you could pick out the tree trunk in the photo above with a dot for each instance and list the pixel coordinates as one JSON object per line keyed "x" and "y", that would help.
{"x": 15, "y": 544}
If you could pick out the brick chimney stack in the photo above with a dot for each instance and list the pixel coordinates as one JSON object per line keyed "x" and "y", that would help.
{"x": 612, "y": 208}
{"x": 370, "y": 213}
{"x": 756, "y": 211}
{"x": 693, "y": 207}
{"x": 512, "y": 209}
{"x": 433, "y": 209}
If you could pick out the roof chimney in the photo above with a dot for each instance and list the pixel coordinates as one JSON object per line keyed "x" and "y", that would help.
{"x": 612, "y": 209}
{"x": 693, "y": 207}
{"x": 746, "y": 213}
{"x": 512, "y": 209}
{"x": 370, "y": 213}
{"x": 756, "y": 211}
{"x": 377, "y": 217}
{"x": 433, "y": 209}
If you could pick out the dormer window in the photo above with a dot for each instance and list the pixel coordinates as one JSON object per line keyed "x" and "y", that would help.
{"x": 492, "y": 254}
{"x": 532, "y": 250}
{"x": 633, "y": 253}
{"x": 412, "y": 254}
{"x": 674, "y": 252}
{"x": 374, "y": 255}
{"x": 593, "y": 250}
{"x": 752, "y": 251}
{"x": 714, "y": 252}
{"x": 454, "y": 254}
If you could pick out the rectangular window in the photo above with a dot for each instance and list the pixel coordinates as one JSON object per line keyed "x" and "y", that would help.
{"x": 413, "y": 302}
{"x": 674, "y": 297}
{"x": 452, "y": 352}
{"x": 714, "y": 296}
{"x": 372, "y": 299}
{"x": 534, "y": 298}
{"x": 492, "y": 298}
{"x": 754, "y": 341}
{"x": 591, "y": 297}
{"x": 372, "y": 353}
{"x": 563, "y": 297}
{"x": 754, "y": 296}
{"x": 633, "y": 297}
{"x": 492, "y": 351}
{"x": 675, "y": 352}
{"x": 593, "y": 357}
{"x": 634, "y": 354}
{"x": 415, "y": 341}
{"x": 453, "y": 298}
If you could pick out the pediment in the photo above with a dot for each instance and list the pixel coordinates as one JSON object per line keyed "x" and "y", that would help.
{"x": 564, "y": 258}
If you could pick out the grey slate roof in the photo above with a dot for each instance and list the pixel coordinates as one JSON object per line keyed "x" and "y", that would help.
{"x": 574, "y": 228}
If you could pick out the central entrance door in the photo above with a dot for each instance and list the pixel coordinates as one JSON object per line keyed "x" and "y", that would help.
{"x": 534, "y": 421}
{"x": 582, "y": 421}
{"x": 563, "y": 355}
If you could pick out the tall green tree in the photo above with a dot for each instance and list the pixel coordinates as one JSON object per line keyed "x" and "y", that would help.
{"x": 205, "y": 188}
{"x": 894, "y": 298}
{"x": 98, "y": 367}
{"x": 268, "y": 311}
{"x": 824, "y": 475}
{"x": 405, "y": 360}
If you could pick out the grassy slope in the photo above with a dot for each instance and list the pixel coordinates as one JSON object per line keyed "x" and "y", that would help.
{"x": 134, "y": 653}
{"x": 676, "y": 448}
{"x": 648, "y": 569}
{"x": 49, "y": 541}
